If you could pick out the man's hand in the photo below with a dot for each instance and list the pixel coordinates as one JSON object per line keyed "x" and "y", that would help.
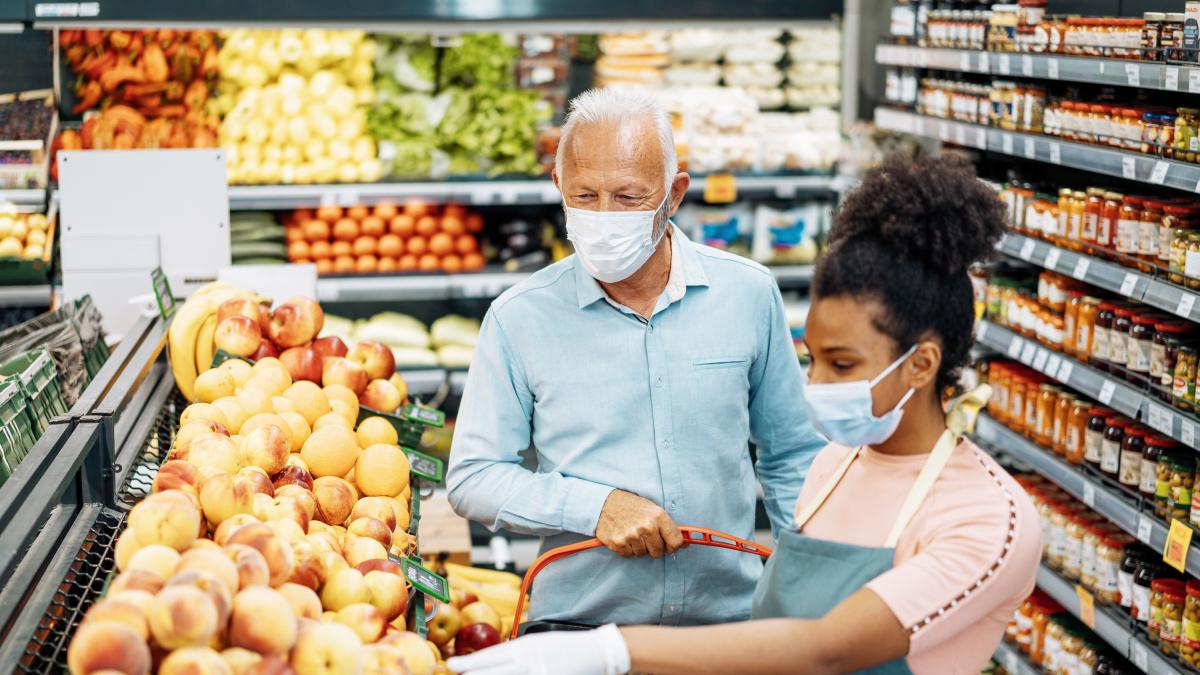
{"x": 633, "y": 526}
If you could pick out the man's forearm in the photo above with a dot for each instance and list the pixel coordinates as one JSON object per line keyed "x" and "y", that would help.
{"x": 503, "y": 495}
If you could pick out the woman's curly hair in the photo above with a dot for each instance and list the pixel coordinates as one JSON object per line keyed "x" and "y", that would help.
{"x": 905, "y": 238}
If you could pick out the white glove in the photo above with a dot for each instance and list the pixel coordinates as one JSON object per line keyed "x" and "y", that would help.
{"x": 595, "y": 652}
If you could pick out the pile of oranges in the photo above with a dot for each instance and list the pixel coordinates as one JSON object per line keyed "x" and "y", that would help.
{"x": 386, "y": 238}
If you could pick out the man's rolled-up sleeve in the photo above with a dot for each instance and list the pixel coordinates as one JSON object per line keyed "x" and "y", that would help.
{"x": 485, "y": 478}
{"x": 786, "y": 442}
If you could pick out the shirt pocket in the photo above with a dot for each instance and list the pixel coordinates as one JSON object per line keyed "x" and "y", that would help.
{"x": 715, "y": 362}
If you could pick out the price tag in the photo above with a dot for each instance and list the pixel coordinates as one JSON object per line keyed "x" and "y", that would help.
{"x": 1139, "y": 656}
{"x": 1027, "y": 249}
{"x": 1064, "y": 372}
{"x": 1052, "y": 69}
{"x": 1179, "y": 539}
{"x": 1193, "y": 81}
{"x": 1052, "y": 258}
{"x": 1027, "y": 353}
{"x": 424, "y": 580}
{"x": 944, "y": 131}
{"x": 1089, "y": 494}
{"x": 1129, "y": 168}
{"x": 720, "y": 188}
{"x": 424, "y": 466}
{"x": 1053, "y": 365}
{"x": 348, "y": 198}
{"x": 964, "y": 62}
{"x": 422, "y": 415}
{"x": 1011, "y": 663}
{"x": 1186, "y": 302}
{"x": 1006, "y": 143}
{"x": 1055, "y": 154}
{"x": 1014, "y": 348}
{"x": 1133, "y": 75}
{"x": 960, "y": 135}
{"x": 1172, "y": 78}
{"x": 1030, "y": 149}
{"x": 1159, "y": 175}
{"x": 1161, "y": 419}
{"x": 1081, "y": 268}
{"x": 1187, "y": 433}
{"x": 1039, "y": 361}
{"x": 162, "y": 293}
{"x": 329, "y": 199}
{"x": 1106, "y": 392}
{"x": 1087, "y": 606}
{"x": 1145, "y": 528}
{"x": 1027, "y": 65}
{"x": 981, "y": 139}
{"x": 1128, "y": 284}
{"x": 1004, "y": 65}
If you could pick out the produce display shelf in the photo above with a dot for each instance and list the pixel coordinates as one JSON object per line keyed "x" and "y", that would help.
{"x": 1047, "y": 149}
{"x": 1014, "y": 662}
{"x": 1114, "y": 72}
{"x": 38, "y": 295}
{"x": 25, "y": 199}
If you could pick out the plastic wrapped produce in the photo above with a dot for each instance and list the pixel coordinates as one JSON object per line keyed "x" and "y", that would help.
{"x": 753, "y": 46}
{"x": 697, "y": 44}
{"x": 816, "y": 45}
{"x": 768, "y": 98}
{"x": 807, "y": 74}
{"x": 752, "y": 75}
{"x": 787, "y": 237}
{"x": 692, "y": 75}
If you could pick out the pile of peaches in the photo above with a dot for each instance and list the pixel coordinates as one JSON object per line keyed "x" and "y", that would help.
{"x": 263, "y": 546}
{"x": 386, "y": 239}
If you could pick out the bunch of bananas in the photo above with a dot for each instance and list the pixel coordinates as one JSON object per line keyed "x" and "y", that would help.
{"x": 498, "y": 589}
{"x": 190, "y": 337}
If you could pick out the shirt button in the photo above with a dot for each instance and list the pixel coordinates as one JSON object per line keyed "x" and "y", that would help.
{"x": 658, "y": 382}
{"x": 667, "y": 443}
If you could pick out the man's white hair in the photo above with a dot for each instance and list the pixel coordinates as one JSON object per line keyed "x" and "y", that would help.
{"x": 622, "y": 108}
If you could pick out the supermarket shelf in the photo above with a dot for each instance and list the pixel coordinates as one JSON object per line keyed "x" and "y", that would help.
{"x": 1047, "y": 149}
{"x": 423, "y": 382}
{"x": 486, "y": 192}
{"x": 1116, "y": 72}
{"x": 1014, "y": 661}
{"x": 26, "y": 200}
{"x": 26, "y": 296}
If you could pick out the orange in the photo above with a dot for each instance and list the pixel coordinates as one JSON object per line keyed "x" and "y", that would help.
{"x": 427, "y": 226}
{"x": 454, "y": 210}
{"x": 302, "y": 215}
{"x": 316, "y": 230}
{"x": 299, "y": 250}
{"x": 373, "y": 226}
{"x": 324, "y": 266}
{"x": 451, "y": 264}
{"x": 358, "y": 212}
{"x": 475, "y": 223}
{"x": 344, "y": 264}
{"x": 390, "y": 245}
{"x": 387, "y": 265}
{"x": 341, "y": 248}
{"x": 320, "y": 250}
{"x": 417, "y": 246}
{"x": 365, "y": 246}
{"x": 386, "y": 210}
{"x": 453, "y": 225}
{"x": 472, "y": 262}
{"x": 466, "y": 244}
{"x": 294, "y": 233}
{"x": 406, "y": 263}
{"x": 441, "y": 244}
{"x": 429, "y": 263}
{"x": 329, "y": 213}
{"x": 402, "y": 225}
{"x": 345, "y": 229}
{"x": 367, "y": 264}
{"x": 416, "y": 208}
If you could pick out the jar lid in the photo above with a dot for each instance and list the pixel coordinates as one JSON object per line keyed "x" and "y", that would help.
{"x": 1145, "y": 319}
{"x": 1099, "y": 411}
{"x": 1107, "y": 306}
{"x": 1114, "y": 196}
{"x": 1133, "y": 200}
{"x": 1177, "y": 209}
{"x": 1173, "y": 17}
{"x": 1165, "y": 585}
{"x": 1173, "y": 327}
{"x": 1064, "y": 192}
{"x": 1136, "y": 432}
{"x": 1175, "y": 595}
{"x": 1152, "y": 205}
{"x": 1193, "y": 588}
{"x": 1048, "y": 387}
{"x": 1081, "y": 403}
{"x": 1118, "y": 422}
{"x": 1095, "y": 192}
{"x": 1117, "y": 540}
{"x": 1161, "y": 441}
{"x": 1130, "y": 112}
{"x": 1123, "y": 311}
{"x": 1079, "y": 194}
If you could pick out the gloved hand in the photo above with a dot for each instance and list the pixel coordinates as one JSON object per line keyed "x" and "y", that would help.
{"x": 595, "y": 652}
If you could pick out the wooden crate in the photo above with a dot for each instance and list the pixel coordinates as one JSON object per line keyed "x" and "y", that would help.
{"x": 443, "y": 531}
{"x": 30, "y": 168}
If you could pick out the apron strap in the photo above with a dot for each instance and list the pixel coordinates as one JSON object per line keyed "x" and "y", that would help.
{"x": 809, "y": 510}
{"x": 925, "y": 480}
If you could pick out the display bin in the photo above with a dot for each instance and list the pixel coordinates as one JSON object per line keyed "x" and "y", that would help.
{"x": 38, "y": 377}
{"x": 16, "y": 427}
{"x": 22, "y": 272}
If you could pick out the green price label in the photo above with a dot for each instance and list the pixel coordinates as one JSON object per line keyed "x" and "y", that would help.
{"x": 162, "y": 293}
{"x": 424, "y": 466}
{"x": 421, "y": 415}
{"x": 425, "y": 581}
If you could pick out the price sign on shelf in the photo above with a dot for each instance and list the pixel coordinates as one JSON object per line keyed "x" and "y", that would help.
{"x": 1030, "y": 149}
{"x": 1004, "y": 64}
{"x": 1053, "y": 365}
{"x": 1128, "y": 284}
{"x": 1014, "y": 348}
{"x": 1039, "y": 361}
{"x": 1139, "y": 656}
{"x": 1172, "y": 78}
{"x": 1145, "y": 528}
{"x": 1089, "y": 493}
{"x": 1106, "y": 392}
{"x": 1027, "y": 249}
{"x": 960, "y": 135}
{"x": 1179, "y": 540}
{"x": 1027, "y": 353}
{"x": 1081, "y": 268}
{"x": 1011, "y": 663}
{"x": 424, "y": 580}
{"x": 720, "y": 188}
{"x": 1159, "y": 175}
{"x": 1187, "y": 433}
{"x": 1160, "y": 419}
{"x": 1052, "y": 68}
{"x": 981, "y": 139}
{"x": 1052, "y": 258}
{"x": 1055, "y": 154}
{"x": 1006, "y": 144}
{"x": 1129, "y": 168}
{"x": 1064, "y": 372}
{"x": 1027, "y": 65}
{"x": 982, "y": 60}
{"x": 1193, "y": 81}
{"x": 1087, "y": 606}
{"x": 964, "y": 62}
{"x": 1133, "y": 74}
{"x": 1186, "y": 302}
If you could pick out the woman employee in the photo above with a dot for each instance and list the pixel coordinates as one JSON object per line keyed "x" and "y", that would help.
{"x": 911, "y": 548}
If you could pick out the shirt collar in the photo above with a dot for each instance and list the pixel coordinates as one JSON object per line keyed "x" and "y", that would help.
{"x": 683, "y": 257}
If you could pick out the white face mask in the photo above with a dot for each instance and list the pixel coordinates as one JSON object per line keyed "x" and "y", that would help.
{"x": 612, "y": 245}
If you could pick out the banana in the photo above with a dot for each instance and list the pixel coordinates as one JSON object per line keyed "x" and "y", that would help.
{"x": 204, "y": 344}
{"x": 483, "y": 575}
{"x": 184, "y": 331}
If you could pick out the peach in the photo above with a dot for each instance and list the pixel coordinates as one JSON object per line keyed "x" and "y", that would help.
{"x": 286, "y": 530}
{"x": 384, "y": 658}
{"x": 226, "y": 529}
{"x": 375, "y": 430}
{"x": 309, "y": 570}
{"x": 310, "y": 401}
{"x": 332, "y": 419}
{"x": 292, "y": 474}
{"x": 248, "y": 629}
{"x": 327, "y": 649}
{"x": 214, "y": 384}
{"x": 212, "y": 561}
{"x": 360, "y": 549}
{"x": 189, "y": 433}
{"x": 194, "y": 661}
{"x": 167, "y": 518}
{"x": 323, "y": 541}
{"x": 239, "y": 369}
{"x": 274, "y": 550}
{"x": 389, "y": 593}
{"x": 255, "y": 401}
{"x": 417, "y": 655}
{"x": 235, "y": 413}
{"x": 183, "y": 616}
{"x": 224, "y": 496}
{"x": 381, "y": 470}
{"x": 333, "y": 563}
{"x": 120, "y": 611}
{"x": 373, "y": 529}
{"x": 251, "y": 566}
{"x": 238, "y": 335}
{"x": 296, "y": 322}
{"x": 266, "y": 447}
{"x": 177, "y": 475}
{"x": 347, "y": 412}
{"x": 272, "y": 419}
{"x": 299, "y": 427}
{"x": 138, "y": 579}
{"x": 364, "y": 619}
{"x": 401, "y": 510}
{"x": 111, "y": 646}
{"x": 344, "y": 588}
{"x": 281, "y": 405}
{"x": 202, "y": 411}
{"x": 204, "y": 545}
{"x": 304, "y": 600}
{"x": 127, "y": 545}
{"x": 240, "y": 660}
{"x": 331, "y": 451}
{"x": 303, "y": 496}
{"x": 218, "y": 452}
{"x": 379, "y": 565}
{"x": 381, "y": 509}
{"x": 156, "y": 558}
{"x": 335, "y": 498}
{"x": 375, "y": 358}
{"x": 215, "y": 587}
{"x": 480, "y": 612}
{"x": 274, "y": 367}
{"x": 272, "y": 665}
{"x": 339, "y": 392}
{"x": 381, "y": 395}
{"x": 290, "y": 509}
{"x": 343, "y": 371}
{"x": 260, "y": 482}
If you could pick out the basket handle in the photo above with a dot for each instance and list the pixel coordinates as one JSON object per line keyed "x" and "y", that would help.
{"x": 698, "y": 536}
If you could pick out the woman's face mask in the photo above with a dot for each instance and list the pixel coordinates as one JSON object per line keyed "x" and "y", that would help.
{"x": 844, "y": 412}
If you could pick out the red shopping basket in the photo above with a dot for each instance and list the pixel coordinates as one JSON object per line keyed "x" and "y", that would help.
{"x": 692, "y": 536}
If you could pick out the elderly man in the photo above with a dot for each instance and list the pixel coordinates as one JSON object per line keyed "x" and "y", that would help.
{"x": 636, "y": 372}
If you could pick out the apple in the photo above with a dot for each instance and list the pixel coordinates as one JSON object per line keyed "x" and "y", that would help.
{"x": 302, "y": 363}
{"x": 475, "y": 637}
{"x": 235, "y": 411}
{"x": 288, "y": 531}
{"x": 300, "y": 428}
{"x": 251, "y": 566}
{"x": 375, "y": 357}
{"x": 304, "y": 600}
{"x": 343, "y": 371}
{"x": 264, "y": 317}
{"x": 264, "y": 351}
{"x": 330, "y": 345}
{"x": 296, "y": 322}
{"x": 108, "y": 646}
{"x": 238, "y": 307}
{"x": 327, "y": 649}
{"x": 373, "y": 529}
{"x": 194, "y": 661}
{"x": 238, "y": 335}
{"x": 401, "y": 386}
{"x": 445, "y": 623}
{"x": 381, "y": 395}
{"x": 248, "y": 629}
{"x": 389, "y": 593}
{"x": 344, "y": 588}
{"x": 462, "y": 598}
{"x": 333, "y": 419}
{"x": 384, "y": 565}
{"x": 183, "y": 616}
{"x": 292, "y": 474}
{"x": 481, "y": 612}
{"x": 266, "y": 447}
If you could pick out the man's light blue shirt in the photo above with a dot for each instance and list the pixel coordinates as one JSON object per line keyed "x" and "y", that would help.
{"x": 663, "y": 408}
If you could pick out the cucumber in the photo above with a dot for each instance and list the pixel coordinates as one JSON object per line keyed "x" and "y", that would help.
{"x": 269, "y": 249}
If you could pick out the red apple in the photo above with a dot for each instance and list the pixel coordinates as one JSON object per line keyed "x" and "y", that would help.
{"x": 238, "y": 335}
{"x": 343, "y": 371}
{"x": 291, "y": 474}
{"x": 445, "y": 624}
{"x": 474, "y": 637}
{"x": 381, "y": 395}
{"x": 296, "y": 322}
{"x": 375, "y": 358}
{"x": 330, "y": 345}
{"x": 480, "y": 612}
{"x": 238, "y": 307}
{"x": 302, "y": 363}
{"x": 462, "y": 598}
{"x": 266, "y": 349}
{"x": 264, "y": 317}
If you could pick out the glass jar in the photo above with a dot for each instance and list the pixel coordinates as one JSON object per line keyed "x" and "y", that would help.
{"x": 1060, "y": 515}
{"x": 1093, "y": 438}
{"x": 1071, "y": 321}
{"x": 1118, "y": 337}
{"x": 1110, "y": 558}
{"x": 1140, "y": 344}
{"x": 1072, "y": 644}
{"x": 1171, "y": 37}
{"x": 1091, "y": 214}
{"x": 1152, "y": 35}
{"x": 1085, "y": 326}
{"x": 1100, "y": 117}
{"x": 1156, "y": 447}
{"x": 1177, "y": 263}
{"x": 1035, "y": 382}
{"x": 1062, "y": 417}
{"x": 1019, "y": 630}
{"x": 1064, "y": 213}
{"x": 1075, "y": 219}
{"x": 1148, "y": 234}
{"x": 1016, "y": 402}
{"x": 1191, "y": 262}
{"x": 1133, "y": 445}
{"x": 1131, "y": 125}
{"x": 1130, "y": 562}
{"x": 1177, "y": 218}
{"x": 1194, "y": 517}
{"x": 1151, "y": 128}
{"x": 1101, "y": 330}
{"x": 1092, "y": 534}
{"x": 1158, "y": 590}
{"x": 1106, "y": 224}
{"x": 1183, "y": 477}
{"x": 1164, "y": 331}
{"x": 1047, "y": 401}
{"x": 1110, "y": 449}
{"x": 1077, "y": 423}
{"x": 1186, "y": 143}
{"x": 1189, "y": 645}
{"x": 1052, "y": 642}
{"x": 1089, "y": 656}
{"x": 1129, "y": 225}
{"x": 1183, "y": 394}
{"x": 1076, "y": 526}
{"x": 1044, "y": 609}
{"x": 1172, "y": 620}
{"x": 1162, "y": 486}
{"x": 1166, "y": 135}
{"x": 1046, "y": 501}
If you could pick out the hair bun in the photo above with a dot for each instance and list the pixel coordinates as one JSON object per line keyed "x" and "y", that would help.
{"x": 932, "y": 210}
